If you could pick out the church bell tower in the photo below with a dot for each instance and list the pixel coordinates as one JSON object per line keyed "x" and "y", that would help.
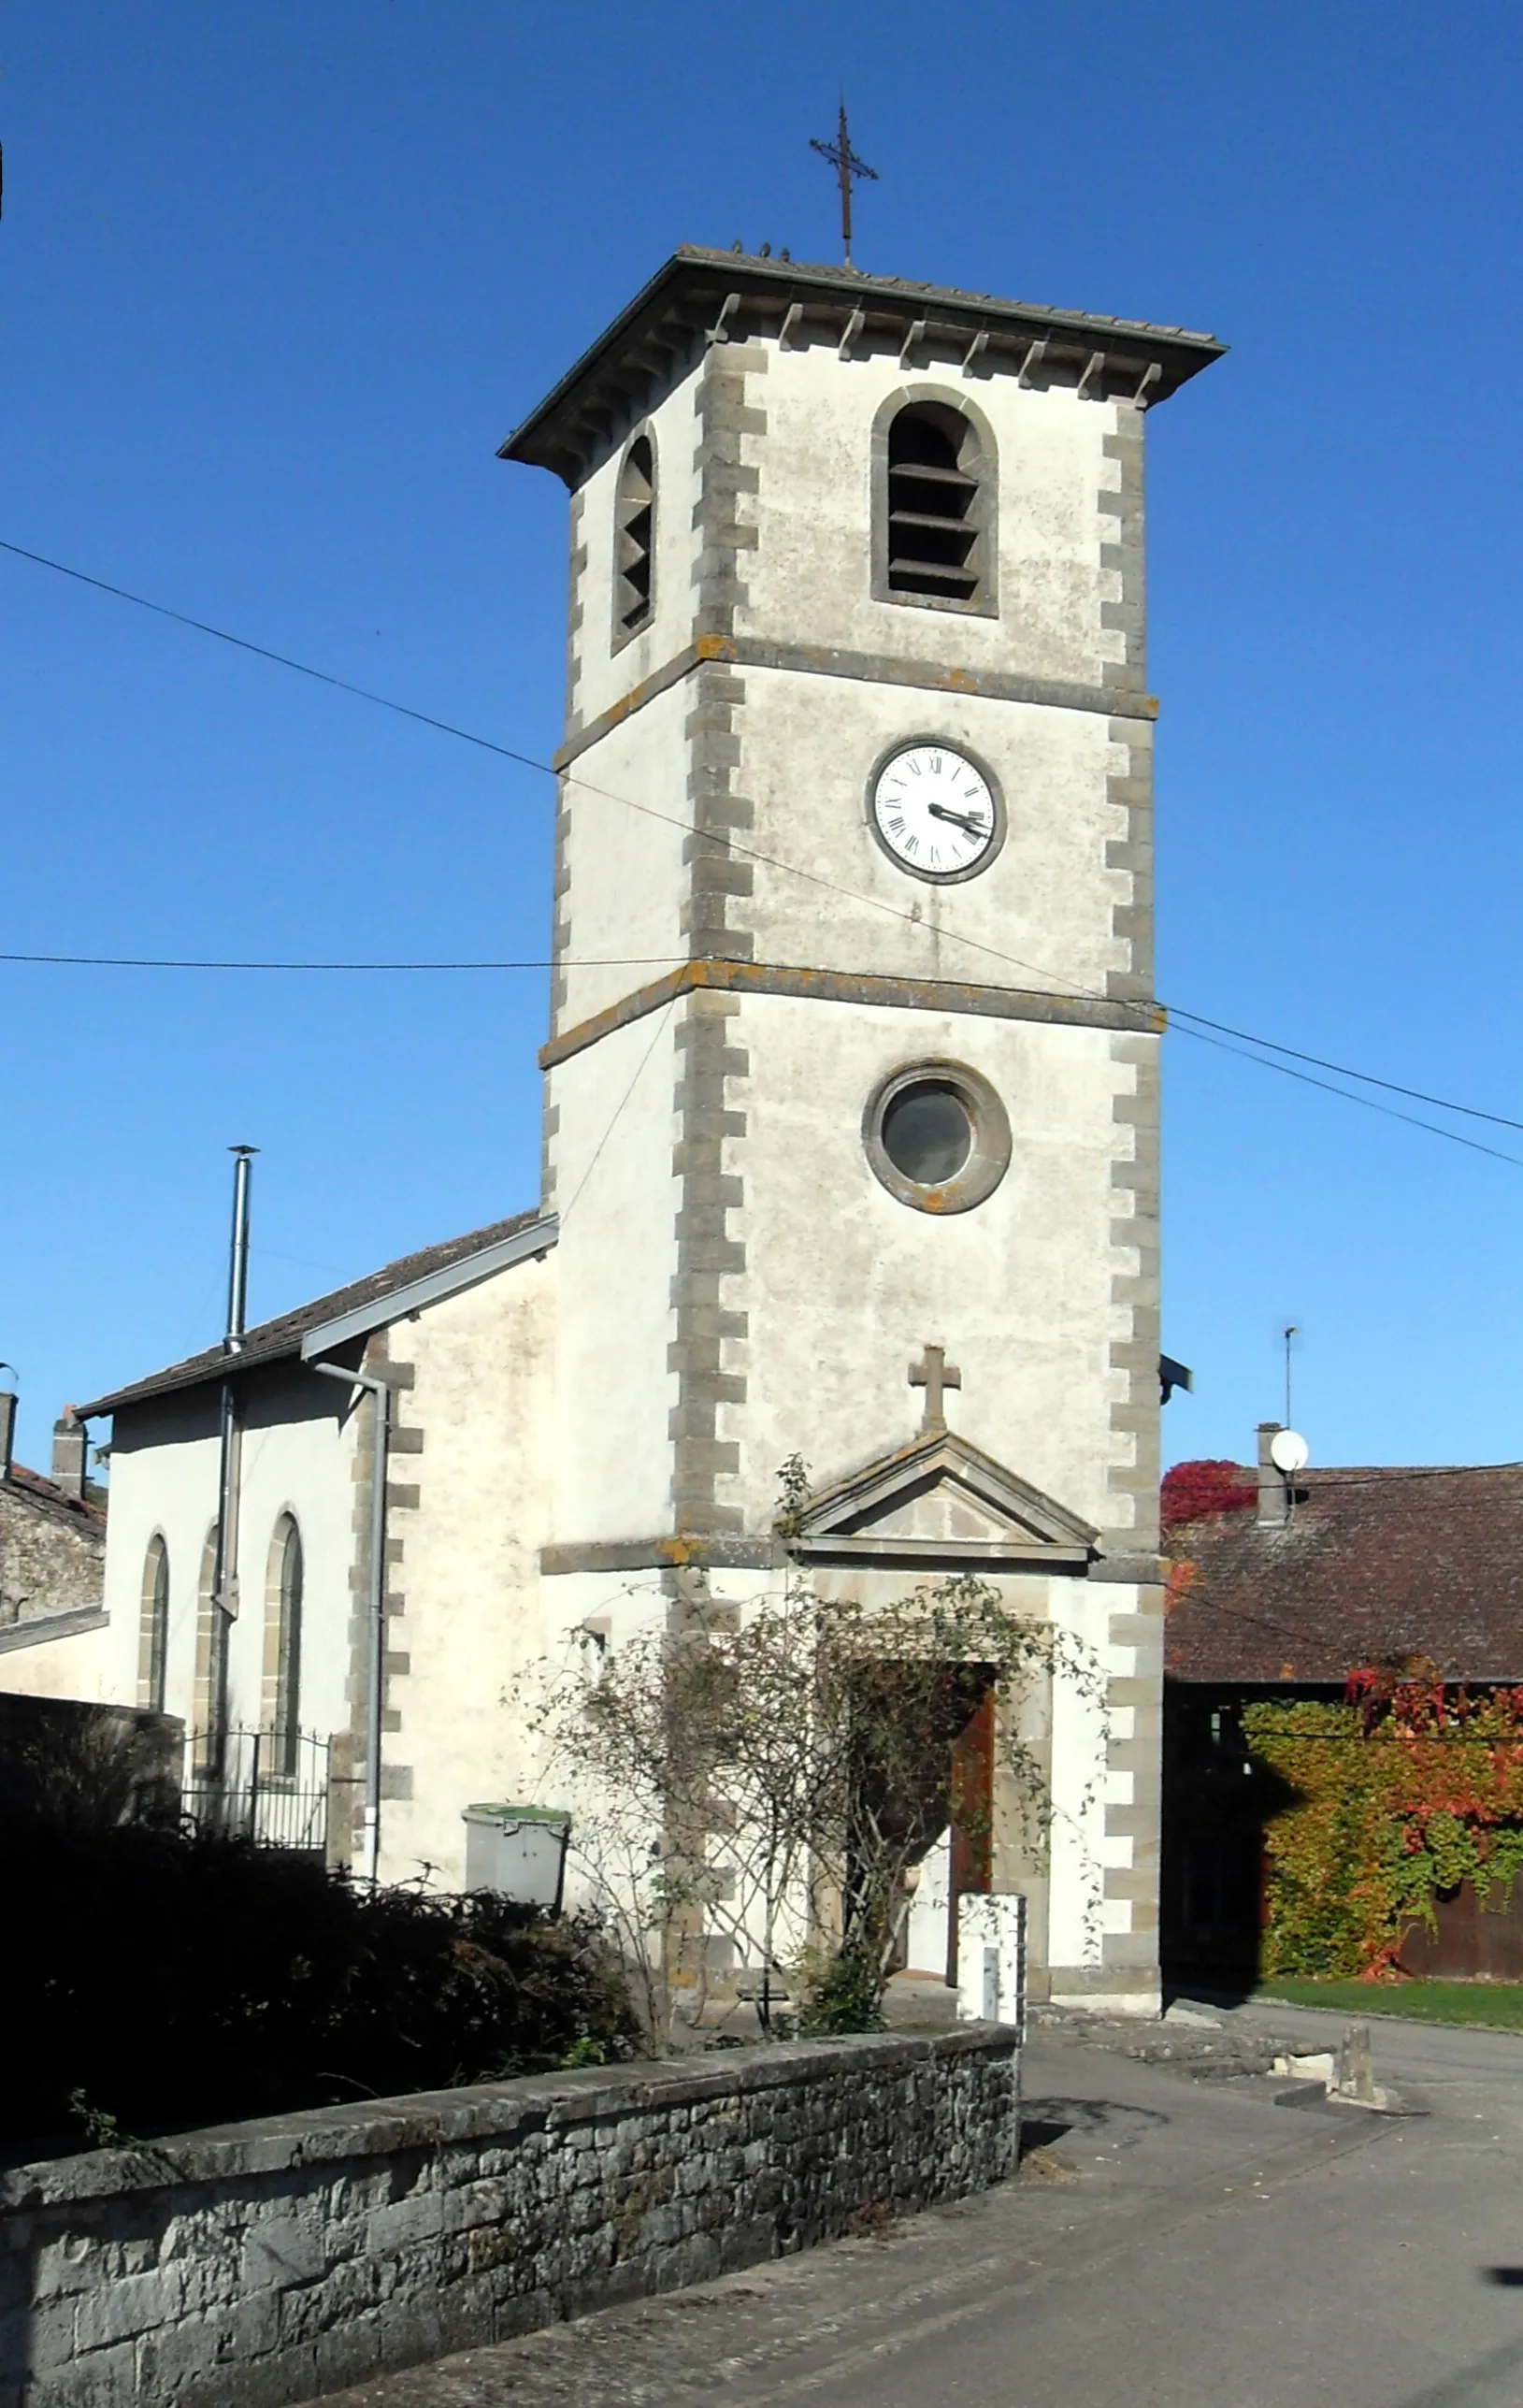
{"x": 850, "y": 1086}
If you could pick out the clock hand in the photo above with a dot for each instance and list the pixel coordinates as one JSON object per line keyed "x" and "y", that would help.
{"x": 958, "y": 820}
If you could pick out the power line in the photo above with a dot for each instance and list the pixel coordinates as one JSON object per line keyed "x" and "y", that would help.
{"x": 508, "y": 753}
{"x": 1367, "y": 1102}
{"x": 1190, "y": 1024}
{"x": 659, "y": 961}
{"x": 664, "y": 960}
{"x": 1418, "y": 1094}
{"x": 262, "y": 652}
{"x": 1335, "y": 1478}
{"x": 147, "y": 961}
{"x": 595, "y": 1154}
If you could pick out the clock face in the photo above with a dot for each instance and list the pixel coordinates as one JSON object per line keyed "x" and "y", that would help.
{"x": 934, "y": 813}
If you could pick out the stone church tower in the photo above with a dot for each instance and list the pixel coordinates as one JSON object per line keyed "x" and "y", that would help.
{"x": 852, "y": 1115}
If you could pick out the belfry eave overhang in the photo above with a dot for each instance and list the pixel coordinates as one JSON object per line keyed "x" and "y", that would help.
{"x": 700, "y": 296}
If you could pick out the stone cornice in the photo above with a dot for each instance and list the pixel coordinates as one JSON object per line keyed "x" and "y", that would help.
{"x": 701, "y": 297}
{"x": 870, "y": 668}
{"x": 859, "y": 987}
{"x": 679, "y": 1549}
{"x": 673, "y": 1550}
{"x": 70, "y": 1622}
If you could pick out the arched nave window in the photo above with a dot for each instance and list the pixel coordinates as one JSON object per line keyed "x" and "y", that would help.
{"x": 154, "y": 1642}
{"x": 283, "y": 1644}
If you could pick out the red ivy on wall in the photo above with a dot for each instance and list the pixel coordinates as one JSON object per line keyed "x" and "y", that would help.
{"x": 1197, "y": 1491}
{"x": 1403, "y": 1793}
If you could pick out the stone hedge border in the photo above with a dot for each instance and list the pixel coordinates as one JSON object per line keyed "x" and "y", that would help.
{"x": 264, "y": 2263}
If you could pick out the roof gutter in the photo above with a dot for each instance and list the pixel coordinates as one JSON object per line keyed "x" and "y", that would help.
{"x": 397, "y": 1304}
{"x": 540, "y": 1237}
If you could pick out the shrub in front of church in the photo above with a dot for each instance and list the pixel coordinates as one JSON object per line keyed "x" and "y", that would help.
{"x": 1396, "y": 1796}
{"x": 156, "y": 1977}
{"x": 842, "y": 1989}
{"x": 757, "y": 1780}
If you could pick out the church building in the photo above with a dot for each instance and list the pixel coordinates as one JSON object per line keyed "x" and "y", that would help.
{"x": 851, "y": 1099}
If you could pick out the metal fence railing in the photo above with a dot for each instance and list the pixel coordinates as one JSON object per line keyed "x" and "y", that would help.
{"x": 269, "y": 1786}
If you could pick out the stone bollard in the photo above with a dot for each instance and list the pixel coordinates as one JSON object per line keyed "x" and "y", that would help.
{"x": 1357, "y": 2067}
{"x": 991, "y": 1958}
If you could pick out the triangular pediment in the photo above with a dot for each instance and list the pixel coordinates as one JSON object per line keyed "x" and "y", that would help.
{"x": 943, "y": 1501}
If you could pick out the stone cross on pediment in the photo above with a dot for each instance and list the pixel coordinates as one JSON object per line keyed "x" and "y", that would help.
{"x": 935, "y": 1374}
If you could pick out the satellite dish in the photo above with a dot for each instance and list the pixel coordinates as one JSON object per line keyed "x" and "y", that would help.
{"x": 1289, "y": 1452}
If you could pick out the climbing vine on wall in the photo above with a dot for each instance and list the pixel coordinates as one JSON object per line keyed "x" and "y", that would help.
{"x": 1396, "y": 1795}
{"x": 1203, "y": 1491}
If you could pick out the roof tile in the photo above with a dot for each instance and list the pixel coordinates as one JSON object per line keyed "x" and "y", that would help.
{"x": 271, "y": 1340}
{"x": 1376, "y": 1561}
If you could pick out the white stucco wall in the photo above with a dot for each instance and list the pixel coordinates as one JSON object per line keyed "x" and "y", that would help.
{"x": 71, "y": 1664}
{"x": 842, "y": 1285}
{"x": 606, "y": 670}
{"x": 623, "y": 899}
{"x": 467, "y": 1559}
{"x": 295, "y": 1459}
{"x": 845, "y": 1284}
{"x": 810, "y": 582}
{"x": 1037, "y": 916}
{"x": 617, "y": 1198}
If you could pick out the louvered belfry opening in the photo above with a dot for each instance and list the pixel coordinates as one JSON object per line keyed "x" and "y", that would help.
{"x": 933, "y": 491}
{"x": 634, "y": 536}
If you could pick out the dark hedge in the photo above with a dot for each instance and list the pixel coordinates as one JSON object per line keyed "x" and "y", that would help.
{"x": 157, "y": 1977}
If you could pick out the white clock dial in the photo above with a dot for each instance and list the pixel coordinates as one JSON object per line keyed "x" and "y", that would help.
{"x": 934, "y": 813}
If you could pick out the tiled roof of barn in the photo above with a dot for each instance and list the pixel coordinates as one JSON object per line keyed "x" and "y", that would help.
{"x": 1376, "y": 1561}
{"x": 89, "y": 1511}
{"x": 283, "y": 1335}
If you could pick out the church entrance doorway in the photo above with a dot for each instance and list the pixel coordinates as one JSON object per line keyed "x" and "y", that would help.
{"x": 932, "y": 1789}
{"x": 971, "y": 1815}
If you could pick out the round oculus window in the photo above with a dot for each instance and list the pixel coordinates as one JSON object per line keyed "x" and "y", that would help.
{"x": 927, "y": 1133}
{"x": 938, "y": 1137}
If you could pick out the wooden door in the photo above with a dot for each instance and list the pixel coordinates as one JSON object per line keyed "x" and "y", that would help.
{"x": 971, "y": 1815}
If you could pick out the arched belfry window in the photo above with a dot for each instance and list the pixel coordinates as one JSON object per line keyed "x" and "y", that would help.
{"x": 936, "y": 543}
{"x": 283, "y": 1644}
{"x": 153, "y": 1643}
{"x": 633, "y": 539}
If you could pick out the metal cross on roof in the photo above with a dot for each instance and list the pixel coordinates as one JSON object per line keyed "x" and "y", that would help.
{"x": 935, "y": 1374}
{"x": 846, "y": 164}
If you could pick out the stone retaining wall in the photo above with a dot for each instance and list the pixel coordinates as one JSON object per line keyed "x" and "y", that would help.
{"x": 268, "y": 2262}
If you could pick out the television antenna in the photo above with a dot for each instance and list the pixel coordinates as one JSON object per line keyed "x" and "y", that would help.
{"x": 1290, "y": 1333}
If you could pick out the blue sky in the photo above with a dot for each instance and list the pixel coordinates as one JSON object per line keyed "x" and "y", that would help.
{"x": 275, "y": 280}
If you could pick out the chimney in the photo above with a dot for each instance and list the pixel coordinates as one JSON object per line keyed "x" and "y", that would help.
{"x": 1274, "y": 1488}
{"x": 7, "y": 1430}
{"x": 68, "y": 1468}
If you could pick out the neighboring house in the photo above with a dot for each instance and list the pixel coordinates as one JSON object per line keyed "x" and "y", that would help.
{"x": 1280, "y": 1590}
{"x": 52, "y": 1559}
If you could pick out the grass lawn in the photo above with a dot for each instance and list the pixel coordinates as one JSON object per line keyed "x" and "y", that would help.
{"x": 1495, "y": 2004}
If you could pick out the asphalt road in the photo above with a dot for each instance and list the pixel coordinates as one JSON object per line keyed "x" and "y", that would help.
{"x": 1171, "y": 2241}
